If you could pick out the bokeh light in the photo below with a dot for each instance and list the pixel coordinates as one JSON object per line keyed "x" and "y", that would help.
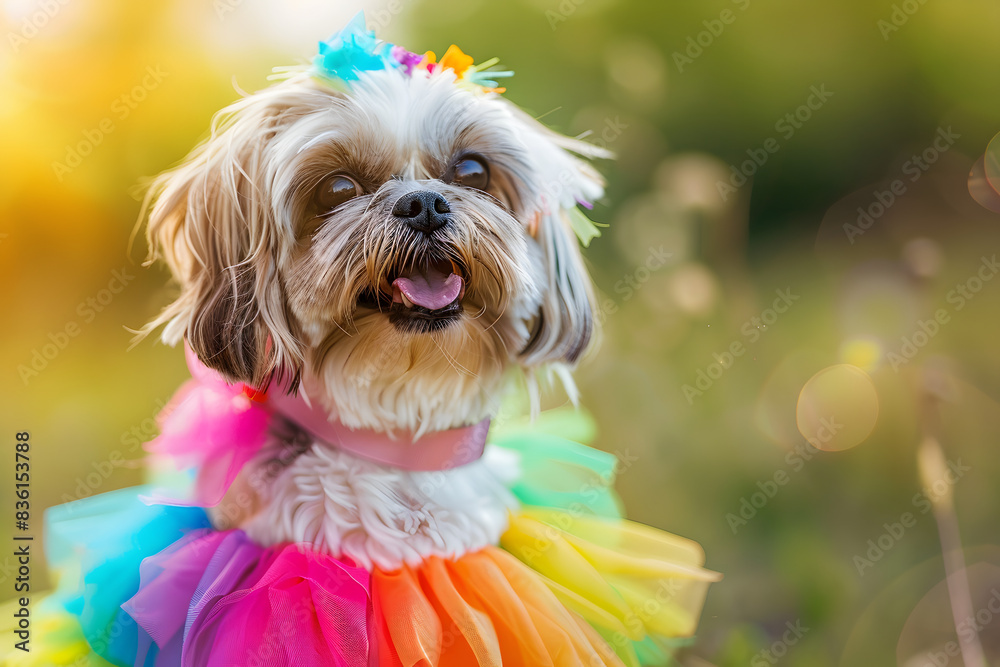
{"x": 837, "y": 408}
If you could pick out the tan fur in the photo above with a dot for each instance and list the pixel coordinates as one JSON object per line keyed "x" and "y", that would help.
{"x": 268, "y": 288}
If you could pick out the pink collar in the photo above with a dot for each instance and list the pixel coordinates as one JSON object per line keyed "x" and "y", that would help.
{"x": 438, "y": 450}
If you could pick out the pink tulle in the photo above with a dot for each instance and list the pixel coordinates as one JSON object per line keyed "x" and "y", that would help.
{"x": 215, "y": 598}
{"x": 214, "y": 428}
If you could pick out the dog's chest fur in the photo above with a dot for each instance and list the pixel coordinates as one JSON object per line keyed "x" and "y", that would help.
{"x": 308, "y": 492}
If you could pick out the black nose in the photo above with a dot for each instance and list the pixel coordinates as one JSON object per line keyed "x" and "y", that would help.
{"x": 423, "y": 210}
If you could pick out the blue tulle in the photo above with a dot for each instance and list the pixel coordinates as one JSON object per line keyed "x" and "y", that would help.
{"x": 97, "y": 545}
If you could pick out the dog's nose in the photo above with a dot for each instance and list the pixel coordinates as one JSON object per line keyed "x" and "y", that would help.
{"x": 423, "y": 210}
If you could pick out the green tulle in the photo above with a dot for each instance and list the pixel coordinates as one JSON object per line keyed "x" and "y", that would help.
{"x": 556, "y": 470}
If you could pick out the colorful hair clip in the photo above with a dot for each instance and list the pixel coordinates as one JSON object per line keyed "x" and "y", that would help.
{"x": 355, "y": 49}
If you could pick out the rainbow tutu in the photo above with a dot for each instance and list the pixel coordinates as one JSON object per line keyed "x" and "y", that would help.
{"x": 570, "y": 583}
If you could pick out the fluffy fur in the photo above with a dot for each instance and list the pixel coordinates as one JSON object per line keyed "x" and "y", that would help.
{"x": 382, "y": 516}
{"x": 273, "y": 287}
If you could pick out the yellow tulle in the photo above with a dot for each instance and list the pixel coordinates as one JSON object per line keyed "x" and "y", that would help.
{"x": 56, "y": 639}
{"x": 632, "y": 583}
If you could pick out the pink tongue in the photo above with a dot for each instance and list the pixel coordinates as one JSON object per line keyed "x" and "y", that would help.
{"x": 432, "y": 290}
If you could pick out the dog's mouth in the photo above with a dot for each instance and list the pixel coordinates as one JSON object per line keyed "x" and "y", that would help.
{"x": 424, "y": 297}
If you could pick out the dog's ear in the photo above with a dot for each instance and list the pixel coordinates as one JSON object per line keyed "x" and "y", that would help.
{"x": 212, "y": 221}
{"x": 565, "y": 322}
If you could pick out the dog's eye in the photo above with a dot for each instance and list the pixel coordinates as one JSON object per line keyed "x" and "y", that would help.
{"x": 336, "y": 190}
{"x": 471, "y": 173}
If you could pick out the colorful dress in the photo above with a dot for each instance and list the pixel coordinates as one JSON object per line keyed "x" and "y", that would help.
{"x": 149, "y": 581}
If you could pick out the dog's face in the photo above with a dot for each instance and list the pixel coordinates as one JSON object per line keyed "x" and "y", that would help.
{"x": 396, "y": 246}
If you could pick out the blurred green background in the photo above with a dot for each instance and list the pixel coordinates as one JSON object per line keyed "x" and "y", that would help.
{"x": 836, "y": 106}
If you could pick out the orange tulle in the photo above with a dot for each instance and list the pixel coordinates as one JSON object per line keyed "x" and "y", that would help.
{"x": 487, "y": 609}
{"x": 563, "y": 590}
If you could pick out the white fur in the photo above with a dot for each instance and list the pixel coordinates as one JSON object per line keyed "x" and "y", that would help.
{"x": 376, "y": 515}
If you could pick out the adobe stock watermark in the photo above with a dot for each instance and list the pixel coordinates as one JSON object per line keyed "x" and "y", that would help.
{"x": 234, "y": 505}
{"x": 752, "y": 330}
{"x": 121, "y": 108}
{"x": 59, "y": 340}
{"x": 959, "y": 296}
{"x": 667, "y": 590}
{"x": 379, "y": 19}
{"x": 34, "y": 23}
{"x": 7, "y": 569}
{"x": 786, "y": 127}
{"x": 779, "y": 649}
{"x": 914, "y": 168}
{"x": 697, "y": 44}
{"x": 223, "y": 7}
{"x": 590, "y": 493}
{"x": 131, "y": 440}
{"x": 900, "y": 16}
{"x": 967, "y": 629}
{"x": 562, "y": 12}
{"x": 632, "y": 282}
{"x": 795, "y": 460}
{"x": 612, "y": 129}
{"x": 610, "y": 132}
{"x": 923, "y": 502}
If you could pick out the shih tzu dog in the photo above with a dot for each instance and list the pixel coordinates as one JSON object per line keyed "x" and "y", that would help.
{"x": 367, "y": 252}
{"x": 389, "y": 252}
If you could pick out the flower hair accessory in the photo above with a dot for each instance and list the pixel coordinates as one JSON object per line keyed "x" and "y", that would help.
{"x": 355, "y": 49}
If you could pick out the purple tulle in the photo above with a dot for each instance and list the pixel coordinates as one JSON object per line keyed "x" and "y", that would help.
{"x": 215, "y": 598}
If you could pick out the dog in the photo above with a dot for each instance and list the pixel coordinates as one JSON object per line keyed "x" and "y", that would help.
{"x": 370, "y": 254}
{"x": 396, "y": 250}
